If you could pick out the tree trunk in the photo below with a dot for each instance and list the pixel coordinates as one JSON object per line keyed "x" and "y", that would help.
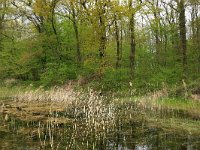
{"x": 182, "y": 30}
{"x": 2, "y": 15}
{"x": 117, "y": 38}
{"x": 198, "y": 43}
{"x": 121, "y": 42}
{"x": 196, "y": 31}
{"x": 102, "y": 44}
{"x": 1, "y": 31}
{"x": 75, "y": 26}
{"x": 78, "y": 50}
{"x": 157, "y": 34}
{"x": 132, "y": 41}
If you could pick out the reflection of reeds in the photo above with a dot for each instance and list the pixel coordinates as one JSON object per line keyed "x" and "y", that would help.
{"x": 85, "y": 118}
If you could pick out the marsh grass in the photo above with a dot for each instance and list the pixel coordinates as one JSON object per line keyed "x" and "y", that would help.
{"x": 182, "y": 126}
{"x": 7, "y": 93}
{"x": 85, "y": 116}
{"x": 180, "y": 103}
{"x": 87, "y": 106}
{"x": 50, "y": 111}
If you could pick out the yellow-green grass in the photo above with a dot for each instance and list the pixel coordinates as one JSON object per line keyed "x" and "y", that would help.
{"x": 8, "y": 92}
{"x": 180, "y": 104}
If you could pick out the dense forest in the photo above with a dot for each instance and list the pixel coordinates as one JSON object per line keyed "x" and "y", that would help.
{"x": 109, "y": 44}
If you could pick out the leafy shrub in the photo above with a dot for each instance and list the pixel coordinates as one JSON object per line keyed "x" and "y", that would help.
{"x": 58, "y": 74}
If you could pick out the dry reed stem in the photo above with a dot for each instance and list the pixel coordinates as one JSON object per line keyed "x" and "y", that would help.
{"x": 89, "y": 105}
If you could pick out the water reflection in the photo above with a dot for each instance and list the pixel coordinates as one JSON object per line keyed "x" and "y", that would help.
{"x": 125, "y": 132}
{"x": 121, "y": 147}
{"x": 142, "y": 147}
{"x": 33, "y": 138}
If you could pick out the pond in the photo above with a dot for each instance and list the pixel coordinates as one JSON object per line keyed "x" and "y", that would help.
{"x": 128, "y": 129}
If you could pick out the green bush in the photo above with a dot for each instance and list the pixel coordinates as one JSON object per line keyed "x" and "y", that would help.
{"x": 58, "y": 74}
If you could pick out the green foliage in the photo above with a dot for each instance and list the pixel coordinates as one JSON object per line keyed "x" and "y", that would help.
{"x": 115, "y": 79}
{"x": 42, "y": 45}
{"x": 58, "y": 74}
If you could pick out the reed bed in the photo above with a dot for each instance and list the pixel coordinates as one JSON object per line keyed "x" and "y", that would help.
{"x": 87, "y": 117}
{"x": 56, "y": 108}
{"x": 88, "y": 106}
{"x": 55, "y": 94}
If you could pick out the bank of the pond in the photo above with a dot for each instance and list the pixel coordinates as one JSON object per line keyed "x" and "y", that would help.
{"x": 167, "y": 118}
{"x": 64, "y": 105}
{"x": 88, "y": 121}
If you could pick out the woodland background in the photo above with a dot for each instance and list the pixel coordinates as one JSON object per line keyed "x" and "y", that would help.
{"x": 101, "y": 43}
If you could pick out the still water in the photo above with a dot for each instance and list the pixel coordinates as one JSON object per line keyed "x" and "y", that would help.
{"x": 129, "y": 130}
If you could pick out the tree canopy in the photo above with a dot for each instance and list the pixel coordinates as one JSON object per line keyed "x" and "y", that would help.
{"x": 110, "y": 42}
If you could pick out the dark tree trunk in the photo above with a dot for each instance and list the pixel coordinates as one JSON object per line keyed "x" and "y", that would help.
{"x": 102, "y": 44}
{"x": 101, "y": 5}
{"x": 117, "y": 38}
{"x": 198, "y": 43}
{"x": 158, "y": 42}
{"x": 182, "y": 30}
{"x": 53, "y": 24}
{"x": 1, "y": 32}
{"x": 121, "y": 42}
{"x": 2, "y": 15}
{"x": 157, "y": 37}
{"x": 77, "y": 42}
{"x": 157, "y": 46}
{"x": 75, "y": 26}
{"x": 132, "y": 41}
